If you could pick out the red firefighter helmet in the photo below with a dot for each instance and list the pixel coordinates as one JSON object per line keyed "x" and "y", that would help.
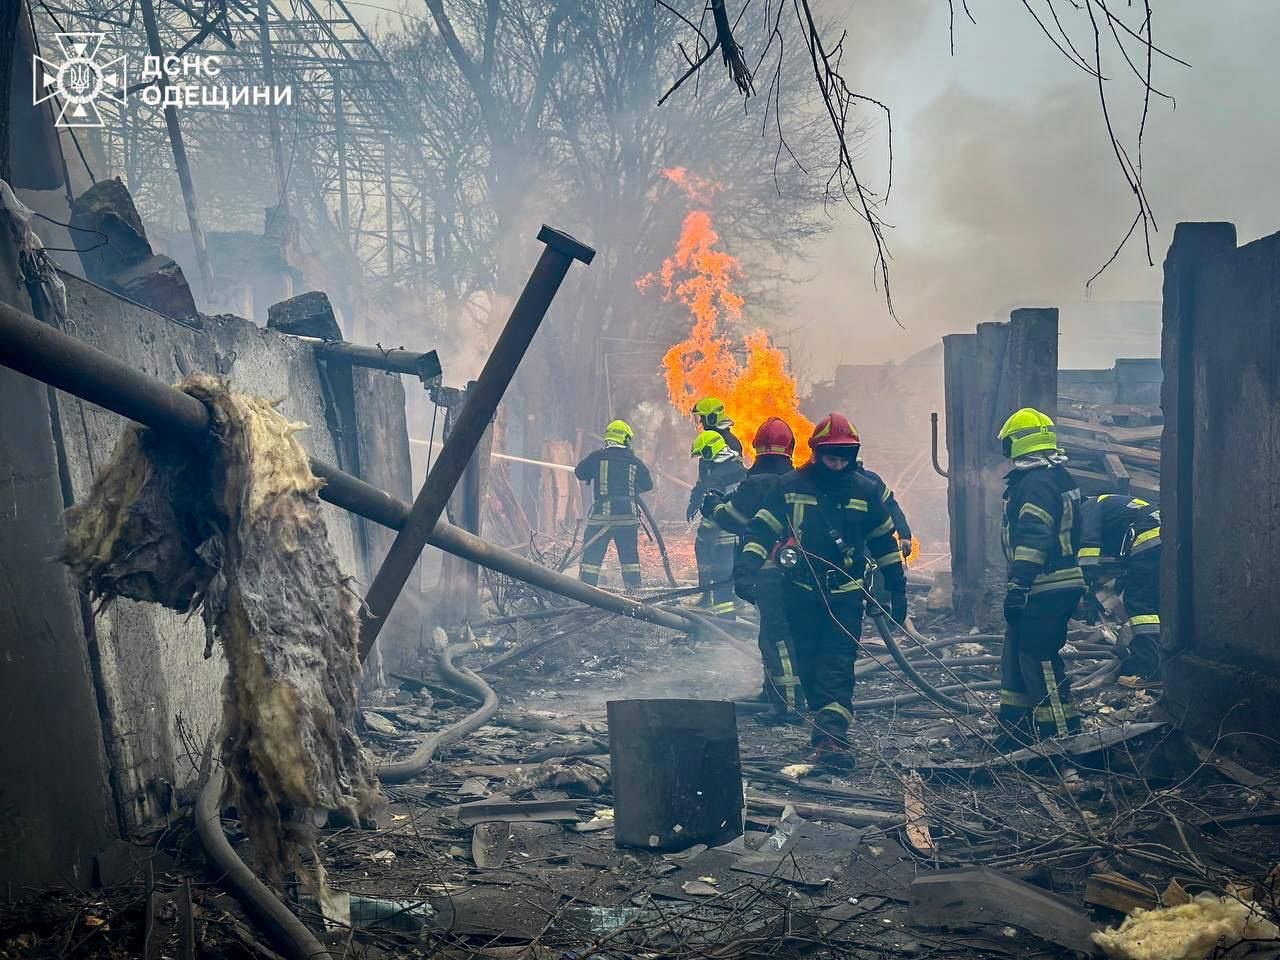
{"x": 835, "y": 431}
{"x": 774, "y": 437}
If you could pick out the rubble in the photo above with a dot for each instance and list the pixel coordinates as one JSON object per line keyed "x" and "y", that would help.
{"x": 124, "y": 261}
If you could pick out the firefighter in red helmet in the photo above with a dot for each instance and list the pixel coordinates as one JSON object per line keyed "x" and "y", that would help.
{"x": 774, "y": 445}
{"x": 819, "y": 524}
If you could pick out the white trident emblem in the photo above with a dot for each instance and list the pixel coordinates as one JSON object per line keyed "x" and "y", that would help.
{"x": 79, "y": 80}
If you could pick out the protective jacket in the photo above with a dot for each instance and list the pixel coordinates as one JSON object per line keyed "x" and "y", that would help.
{"x": 711, "y": 475}
{"x": 890, "y": 503}
{"x": 1041, "y": 528}
{"x": 836, "y": 520}
{"x": 734, "y": 513}
{"x": 1115, "y": 526}
{"x": 617, "y": 476}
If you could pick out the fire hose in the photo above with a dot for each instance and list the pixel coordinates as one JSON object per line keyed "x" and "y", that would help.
{"x": 399, "y": 771}
{"x": 657, "y": 538}
{"x": 289, "y": 933}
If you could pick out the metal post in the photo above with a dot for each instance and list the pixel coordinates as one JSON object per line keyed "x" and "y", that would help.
{"x": 388, "y": 204}
{"x": 179, "y": 155}
{"x": 70, "y": 365}
{"x": 273, "y": 115}
{"x": 482, "y": 402}
{"x": 340, "y": 140}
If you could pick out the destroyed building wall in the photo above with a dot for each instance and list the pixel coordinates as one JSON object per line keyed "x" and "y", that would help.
{"x": 55, "y": 809}
{"x": 159, "y": 699}
{"x": 989, "y": 374}
{"x": 1220, "y": 482}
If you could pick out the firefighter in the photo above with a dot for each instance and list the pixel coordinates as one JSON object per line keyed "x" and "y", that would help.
{"x": 712, "y": 416}
{"x": 900, "y": 526}
{"x": 1125, "y": 531}
{"x": 618, "y": 477}
{"x": 819, "y": 524}
{"x": 720, "y": 470}
{"x": 774, "y": 444}
{"x": 1041, "y": 532}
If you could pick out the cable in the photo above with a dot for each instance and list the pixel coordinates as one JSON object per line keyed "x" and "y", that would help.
{"x": 288, "y": 932}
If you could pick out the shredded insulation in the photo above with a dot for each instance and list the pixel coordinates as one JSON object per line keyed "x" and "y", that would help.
{"x": 233, "y": 528}
{"x": 1187, "y": 932}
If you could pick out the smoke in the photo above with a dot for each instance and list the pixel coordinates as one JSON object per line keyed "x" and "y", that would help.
{"x": 1006, "y": 189}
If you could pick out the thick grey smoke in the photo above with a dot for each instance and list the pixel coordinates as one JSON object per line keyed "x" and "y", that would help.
{"x": 1006, "y": 190}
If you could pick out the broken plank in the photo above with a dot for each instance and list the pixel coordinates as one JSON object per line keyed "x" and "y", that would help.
{"x": 1079, "y": 745}
{"x": 1233, "y": 771}
{"x": 851, "y": 816}
{"x": 516, "y": 811}
{"x": 918, "y": 833}
{"x": 1119, "y": 893}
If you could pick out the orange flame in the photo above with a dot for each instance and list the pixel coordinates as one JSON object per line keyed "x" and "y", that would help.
{"x": 703, "y": 364}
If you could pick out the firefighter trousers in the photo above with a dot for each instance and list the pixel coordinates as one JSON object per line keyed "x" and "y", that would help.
{"x": 777, "y": 649}
{"x": 597, "y": 536}
{"x": 1142, "y": 606}
{"x": 825, "y": 631}
{"x": 1035, "y": 692}
{"x": 714, "y": 552}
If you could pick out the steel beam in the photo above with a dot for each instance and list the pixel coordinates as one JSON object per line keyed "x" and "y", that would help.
{"x": 482, "y": 402}
{"x": 51, "y": 356}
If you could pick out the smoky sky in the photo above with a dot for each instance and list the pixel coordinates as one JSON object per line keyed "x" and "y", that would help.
{"x": 1006, "y": 191}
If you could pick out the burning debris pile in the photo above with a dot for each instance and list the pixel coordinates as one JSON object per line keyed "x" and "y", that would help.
{"x": 234, "y": 529}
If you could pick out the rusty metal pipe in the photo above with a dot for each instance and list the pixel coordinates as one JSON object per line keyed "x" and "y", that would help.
{"x": 51, "y": 356}
{"x": 482, "y": 402}
{"x": 933, "y": 428}
{"x": 424, "y": 366}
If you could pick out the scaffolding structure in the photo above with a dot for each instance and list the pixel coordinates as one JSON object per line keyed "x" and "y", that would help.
{"x": 342, "y": 157}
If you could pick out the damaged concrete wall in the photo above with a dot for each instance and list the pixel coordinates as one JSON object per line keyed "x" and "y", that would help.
{"x": 159, "y": 697}
{"x": 989, "y": 374}
{"x": 55, "y": 809}
{"x": 1220, "y": 483}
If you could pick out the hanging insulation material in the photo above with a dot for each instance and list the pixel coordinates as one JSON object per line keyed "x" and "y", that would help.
{"x": 233, "y": 527}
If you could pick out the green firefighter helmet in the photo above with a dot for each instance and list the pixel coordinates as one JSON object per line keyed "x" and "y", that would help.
{"x": 707, "y": 445}
{"x": 710, "y": 410}
{"x": 1027, "y": 431}
{"x": 619, "y": 431}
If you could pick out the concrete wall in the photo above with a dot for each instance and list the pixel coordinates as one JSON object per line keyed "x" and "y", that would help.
{"x": 1221, "y": 482}
{"x": 55, "y": 808}
{"x": 989, "y": 374}
{"x": 159, "y": 697}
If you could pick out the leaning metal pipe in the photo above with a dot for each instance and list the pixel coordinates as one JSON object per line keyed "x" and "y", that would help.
{"x": 933, "y": 427}
{"x": 51, "y": 356}
{"x": 424, "y": 366}
{"x": 460, "y": 445}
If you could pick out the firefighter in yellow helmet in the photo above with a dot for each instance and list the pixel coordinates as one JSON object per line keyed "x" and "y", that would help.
{"x": 1121, "y": 534}
{"x": 720, "y": 470}
{"x": 1041, "y": 531}
{"x": 619, "y": 477}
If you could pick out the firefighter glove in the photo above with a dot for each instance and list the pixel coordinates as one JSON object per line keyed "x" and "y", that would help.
{"x": 691, "y": 512}
{"x": 709, "y": 502}
{"x": 745, "y": 588}
{"x": 898, "y": 607}
{"x": 905, "y": 547}
{"x": 1015, "y": 604}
